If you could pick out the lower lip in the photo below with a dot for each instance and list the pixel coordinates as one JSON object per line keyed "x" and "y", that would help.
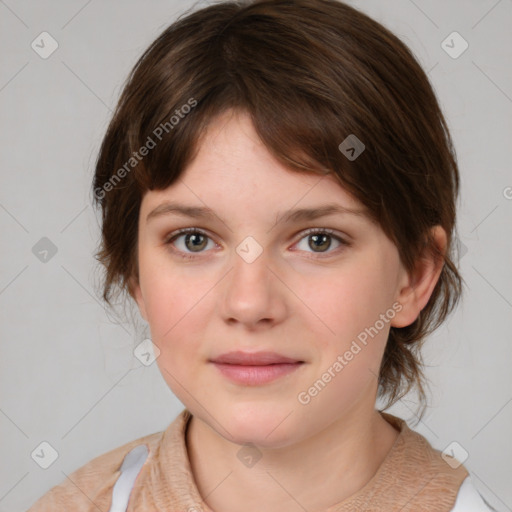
{"x": 255, "y": 375}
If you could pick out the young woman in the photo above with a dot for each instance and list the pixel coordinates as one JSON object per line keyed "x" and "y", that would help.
{"x": 278, "y": 189}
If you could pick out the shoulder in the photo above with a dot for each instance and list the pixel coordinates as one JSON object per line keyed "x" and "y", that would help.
{"x": 91, "y": 486}
{"x": 449, "y": 484}
{"x": 469, "y": 500}
{"x": 418, "y": 474}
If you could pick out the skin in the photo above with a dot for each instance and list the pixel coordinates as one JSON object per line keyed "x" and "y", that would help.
{"x": 298, "y": 300}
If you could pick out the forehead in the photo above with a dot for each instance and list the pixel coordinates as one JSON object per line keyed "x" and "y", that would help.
{"x": 234, "y": 170}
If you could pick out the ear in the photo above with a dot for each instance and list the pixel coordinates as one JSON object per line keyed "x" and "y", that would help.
{"x": 136, "y": 293}
{"x": 415, "y": 289}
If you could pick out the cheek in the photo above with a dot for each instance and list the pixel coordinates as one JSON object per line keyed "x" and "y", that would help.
{"x": 175, "y": 313}
{"x": 349, "y": 300}
{"x": 167, "y": 296}
{"x": 350, "y": 305}
{"x": 174, "y": 307}
{"x": 349, "y": 347}
{"x": 176, "y": 304}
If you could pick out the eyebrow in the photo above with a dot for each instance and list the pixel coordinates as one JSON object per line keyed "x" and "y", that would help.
{"x": 291, "y": 216}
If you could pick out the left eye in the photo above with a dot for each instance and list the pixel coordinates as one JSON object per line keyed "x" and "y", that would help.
{"x": 320, "y": 239}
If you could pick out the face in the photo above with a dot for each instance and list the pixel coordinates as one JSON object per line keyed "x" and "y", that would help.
{"x": 322, "y": 291}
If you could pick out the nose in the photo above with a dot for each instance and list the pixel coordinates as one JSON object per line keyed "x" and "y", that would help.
{"x": 254, "y": 294}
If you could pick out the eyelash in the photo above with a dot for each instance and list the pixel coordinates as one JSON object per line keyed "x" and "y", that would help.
{"x": 308, "y": 232}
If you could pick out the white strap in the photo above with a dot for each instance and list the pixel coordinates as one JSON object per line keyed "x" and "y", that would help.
{"x": 130, "y": 468}
{"x": 469, "y": 500}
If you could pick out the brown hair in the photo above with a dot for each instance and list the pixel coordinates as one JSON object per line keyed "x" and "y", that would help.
{"x": 309, "y": 73}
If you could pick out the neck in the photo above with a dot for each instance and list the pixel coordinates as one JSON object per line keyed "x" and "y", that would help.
{"x": 314, "y": 474}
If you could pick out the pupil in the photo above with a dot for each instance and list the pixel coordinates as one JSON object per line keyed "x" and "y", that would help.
{"x": 194, "y": 238}
{"x": 321, "y": 238}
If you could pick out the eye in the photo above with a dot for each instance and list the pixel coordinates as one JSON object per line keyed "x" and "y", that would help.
{"x": 194, "y": 241}
{"x": 321, "y": 239}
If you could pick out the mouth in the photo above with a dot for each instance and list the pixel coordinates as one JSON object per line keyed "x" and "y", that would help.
{"x": 254, "y": 358}
{"x": 256, "y": 368}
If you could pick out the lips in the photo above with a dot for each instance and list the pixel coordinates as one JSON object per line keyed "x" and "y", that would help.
{"x": 254, "y": 359}
{"x": 255, "y": 369}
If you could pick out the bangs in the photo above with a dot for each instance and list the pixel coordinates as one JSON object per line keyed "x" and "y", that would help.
{"x": 300, "y": 103}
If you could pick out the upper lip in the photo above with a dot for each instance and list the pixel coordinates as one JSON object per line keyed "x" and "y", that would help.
{"x": 253, "y": 358}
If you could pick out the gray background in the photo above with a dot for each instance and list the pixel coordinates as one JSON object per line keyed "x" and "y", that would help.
{"x": 68, "y": 373}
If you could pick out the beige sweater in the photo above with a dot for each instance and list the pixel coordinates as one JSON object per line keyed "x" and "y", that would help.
{"x": 413, "y": 477}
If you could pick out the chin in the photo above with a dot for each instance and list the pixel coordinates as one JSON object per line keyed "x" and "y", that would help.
{"x": 269, "y": 426}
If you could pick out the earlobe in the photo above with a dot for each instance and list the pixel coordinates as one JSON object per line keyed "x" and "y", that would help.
{"x": 416, "y": 288}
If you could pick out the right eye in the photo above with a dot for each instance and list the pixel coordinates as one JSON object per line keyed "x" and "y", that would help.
{"x": 193, "y": 241}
